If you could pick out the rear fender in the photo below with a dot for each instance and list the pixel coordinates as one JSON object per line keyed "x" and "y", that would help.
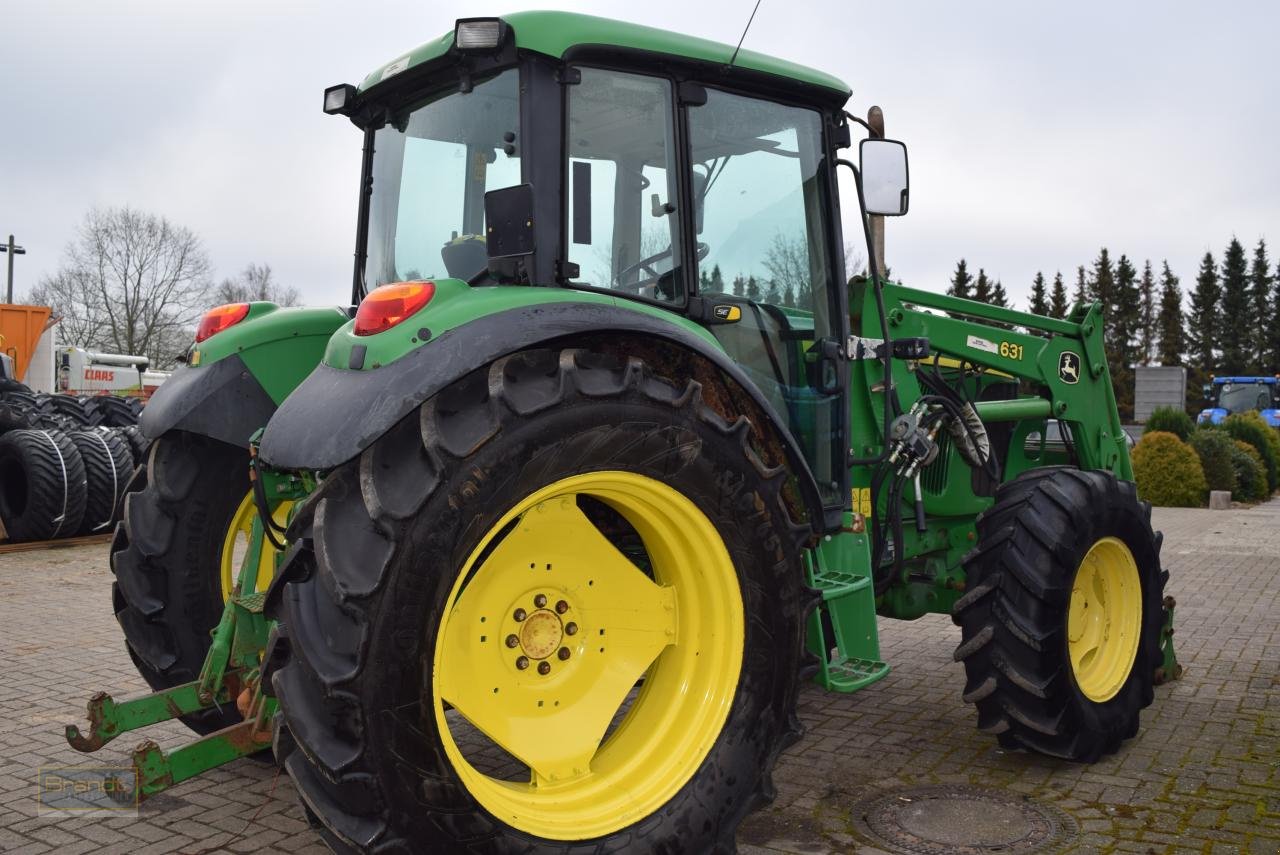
{"x": 336, "y": 413}
{"x": 233, "y": 381}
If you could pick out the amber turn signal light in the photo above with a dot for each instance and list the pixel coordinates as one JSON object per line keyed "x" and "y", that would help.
{"x": 388, "y": 305}
{"x": 221, "y": 318}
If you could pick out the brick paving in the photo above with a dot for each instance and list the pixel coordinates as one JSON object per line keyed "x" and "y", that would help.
{"x": 1203, "y": 775}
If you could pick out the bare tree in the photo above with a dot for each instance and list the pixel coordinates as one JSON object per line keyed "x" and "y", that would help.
{"x": 787, "y": 261}
{"x": 255, "y": 283}
{"x": 130, "y": 282}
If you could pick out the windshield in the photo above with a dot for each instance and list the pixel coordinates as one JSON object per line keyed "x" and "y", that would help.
{"x": 432, "y": 166}
{"x": 1241, "y": 397}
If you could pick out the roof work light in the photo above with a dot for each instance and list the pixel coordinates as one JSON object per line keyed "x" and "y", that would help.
{"x": 479, "y": 34}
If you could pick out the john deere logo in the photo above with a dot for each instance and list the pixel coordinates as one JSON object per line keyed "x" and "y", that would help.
{"x": 1069, "y": 367}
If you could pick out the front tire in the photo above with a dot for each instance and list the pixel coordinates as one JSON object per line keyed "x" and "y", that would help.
{"x": 589, "y": 488}
{"x": 1061, "y": 621}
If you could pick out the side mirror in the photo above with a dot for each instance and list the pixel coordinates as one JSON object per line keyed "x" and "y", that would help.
{"x": 1208, "y": 391}
{"x": 884, "y": 177}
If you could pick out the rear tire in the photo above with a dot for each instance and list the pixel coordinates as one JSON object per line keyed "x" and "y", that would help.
{"x": 1024, "y": 580}
{"x": 42, "y": 485}
{"x": 167, "y": 559}
{"x": 391, "y": 532}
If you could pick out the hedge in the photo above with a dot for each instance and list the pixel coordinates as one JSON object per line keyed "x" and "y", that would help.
{"x": 1214, "y": 448}
{"x": 1168, "y": 472}
{"x": 1253, "y": 429}
{"x": 1173, "y": 420}
{"x": 1251, "y": 475}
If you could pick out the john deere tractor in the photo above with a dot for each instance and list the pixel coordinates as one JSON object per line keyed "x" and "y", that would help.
{"x": 532, "y": 549}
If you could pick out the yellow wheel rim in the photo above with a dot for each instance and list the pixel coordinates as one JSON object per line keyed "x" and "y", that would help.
{"x": 1105, "y": 619}
{"x": 236, "y": 543}
{"x": 543, "y": 641}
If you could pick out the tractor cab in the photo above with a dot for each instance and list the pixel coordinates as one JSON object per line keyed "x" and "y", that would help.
{"x": 503, "y": 156}
{"x": 1226, "y": 395}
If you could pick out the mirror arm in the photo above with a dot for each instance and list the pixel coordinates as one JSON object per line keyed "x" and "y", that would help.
{"x": 862, "y": 122}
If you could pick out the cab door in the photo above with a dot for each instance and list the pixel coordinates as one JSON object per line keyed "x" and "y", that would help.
{"x": 761, "y": 185}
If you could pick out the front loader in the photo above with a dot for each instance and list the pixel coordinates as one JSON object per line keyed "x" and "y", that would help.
{"x": 610, "y": 457}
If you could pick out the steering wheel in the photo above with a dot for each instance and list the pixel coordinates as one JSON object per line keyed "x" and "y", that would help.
{"x": 646, "y": 265}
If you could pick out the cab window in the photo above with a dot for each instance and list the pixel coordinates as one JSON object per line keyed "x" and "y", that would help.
{"x": 623, "y": 217}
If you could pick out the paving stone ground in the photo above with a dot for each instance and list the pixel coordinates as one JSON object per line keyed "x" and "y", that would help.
{"x": 1203, "y": 775}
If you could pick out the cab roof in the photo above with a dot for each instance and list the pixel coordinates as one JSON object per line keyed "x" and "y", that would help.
{"x": 555, "y": 33}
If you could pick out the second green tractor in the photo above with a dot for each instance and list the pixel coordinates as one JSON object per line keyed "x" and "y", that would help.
{"x": 532, "y": 548}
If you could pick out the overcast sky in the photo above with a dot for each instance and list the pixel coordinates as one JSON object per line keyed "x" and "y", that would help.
{"x": 1037, "y": 132}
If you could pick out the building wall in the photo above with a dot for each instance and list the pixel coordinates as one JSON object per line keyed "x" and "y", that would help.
{"x": 1158, "y": 386}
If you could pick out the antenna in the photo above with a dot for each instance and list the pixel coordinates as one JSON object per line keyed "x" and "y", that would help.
{"x": 744, "y": 33}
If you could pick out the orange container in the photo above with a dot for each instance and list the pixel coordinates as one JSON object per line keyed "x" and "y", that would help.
{"x": 20, "y": 330}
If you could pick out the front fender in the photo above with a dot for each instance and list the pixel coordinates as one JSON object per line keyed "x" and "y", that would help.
{"x": 234, "y": 381}
{"x": 336, "y": 414}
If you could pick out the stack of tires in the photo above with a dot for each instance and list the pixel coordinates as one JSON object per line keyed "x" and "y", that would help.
{"x": 64, "y": 462}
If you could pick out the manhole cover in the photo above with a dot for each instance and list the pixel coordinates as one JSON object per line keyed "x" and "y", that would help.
{"x": 964, "y": 820}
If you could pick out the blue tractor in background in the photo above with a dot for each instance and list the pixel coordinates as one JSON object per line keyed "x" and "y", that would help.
{"x": 1226, "y": 395}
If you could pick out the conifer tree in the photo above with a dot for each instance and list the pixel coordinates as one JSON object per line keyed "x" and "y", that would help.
{"x": 1173, "y": 337}
{"x": 771, "y": 294}
{"x": 1233, "y": 334}
{"x": 1082, "y": 294}
{"x": 1058, "y": 304}
{"x": 1039, "y": 305}
{"x": 999, "y": 297}
{"x": 961, "y": 281}
{"x": 717, "y": 280}
{"x": 1122, "y": 314}
{"x": 753, "y": 288}
{"x": 1263, "y": 308}
{"x": 1102, "y": 283}
{"x": 1147, "y": 315}
{"x": 982, "y": 288}
{"x": 1202, "y": 321}
{"x": 1273, "y": 322}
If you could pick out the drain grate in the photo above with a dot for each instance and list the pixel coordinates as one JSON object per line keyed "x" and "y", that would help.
{"x": 962, "y": 820}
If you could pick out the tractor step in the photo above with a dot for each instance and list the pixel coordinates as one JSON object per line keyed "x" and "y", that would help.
{"x": 850, "y": 658}
{"x": 850, "y": 675}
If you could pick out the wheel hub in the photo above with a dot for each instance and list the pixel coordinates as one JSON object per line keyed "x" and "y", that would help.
{"x": 541, "y": 634}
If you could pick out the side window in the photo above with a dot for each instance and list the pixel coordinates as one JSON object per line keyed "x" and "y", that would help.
{"x": 624, "y": 225}
{"x": 760, "y": 219}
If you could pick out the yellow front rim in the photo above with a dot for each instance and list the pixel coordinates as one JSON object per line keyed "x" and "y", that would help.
{"x": 1105, "y": 619}
{"x": 548, "y": 630}
{"x": 236, "y": 543}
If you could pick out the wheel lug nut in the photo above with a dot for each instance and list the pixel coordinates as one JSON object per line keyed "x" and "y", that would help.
{"x": 563, "y": 654}
{"x": 571, "y": 628}
{"x": 519, "y": 615}
{"x": 522, "y": 662}
{"x": 540, "y": 600}
{"x": 562, "y": 607}
{"x": 544, "y": 668}
{"x": 512, "y": 641}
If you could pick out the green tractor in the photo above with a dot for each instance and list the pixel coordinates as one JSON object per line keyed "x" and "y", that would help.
{"x": 533, "y": 548}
